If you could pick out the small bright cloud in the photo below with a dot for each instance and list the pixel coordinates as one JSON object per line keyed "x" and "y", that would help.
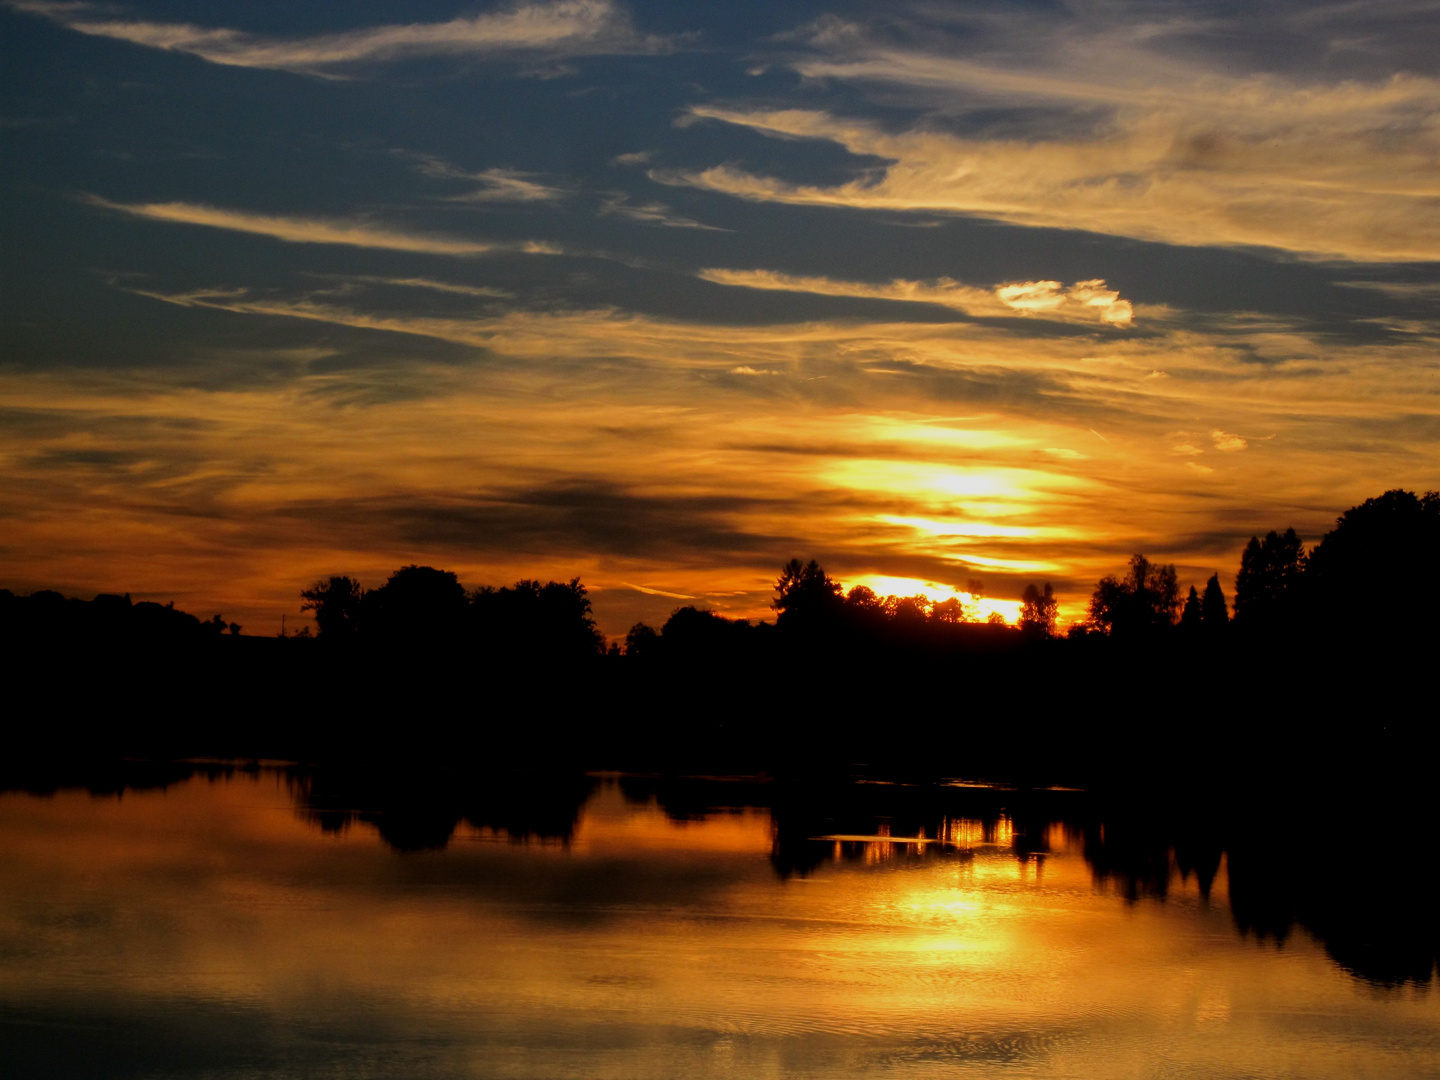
{"x": 1052, "y": 298}
{"x": 653, "y": 213}
{"x": 1033, "y": 296}
{"x": 506, "y": 185}
{"x": 1227, "y": 442}
{"x": 497, "y": 184}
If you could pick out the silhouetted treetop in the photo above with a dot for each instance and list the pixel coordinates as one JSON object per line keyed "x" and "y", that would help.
{"x": 1191, "y": 615}
{"x": 108, "y": 622}
{"x": 336, "y": 603}
{"x": 1140, "y": 604}
{"x": 425, "y": 606}
{"x": 699, "y": 633}
{"x": 1268, "y": 586}
{"x": 908, "y": 611}
{"x": 813, "y": 604}
{"x": 1037, "y": 611}
{"x": 1214, "y": 613}
{"x": 416, "y": 603}
{"x": 1367, "y": 565}
{"x": 805, "y": 594}
{"x": 641, "y": 641}
{"x": 552, "y": 620}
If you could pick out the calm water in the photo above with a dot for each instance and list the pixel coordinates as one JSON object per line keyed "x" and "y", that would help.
{"x": 258, "y": 925}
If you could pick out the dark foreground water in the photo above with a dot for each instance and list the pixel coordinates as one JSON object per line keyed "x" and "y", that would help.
{"x": 266, "y": 925}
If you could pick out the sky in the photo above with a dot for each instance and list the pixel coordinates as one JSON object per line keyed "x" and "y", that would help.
{"x": 661, "y": 295}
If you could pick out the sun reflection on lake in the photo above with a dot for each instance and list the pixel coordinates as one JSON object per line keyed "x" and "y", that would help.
{"x": 661, "y": 937}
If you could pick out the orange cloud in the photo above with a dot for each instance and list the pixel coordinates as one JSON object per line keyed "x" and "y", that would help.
{"x": 301, "y": 230}
{"x": 576, "y": 443}
{"x": 1083, "y": 302}
{"x": 1256, "y": 161}
{"x": 565, "y": 27}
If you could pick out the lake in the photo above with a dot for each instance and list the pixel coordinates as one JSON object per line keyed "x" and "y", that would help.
{"x": 209, "y": 921}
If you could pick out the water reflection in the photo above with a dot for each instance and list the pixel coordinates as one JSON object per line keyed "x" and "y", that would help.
{"x": 204, "y": 919}
{"x": 417, "y": 811}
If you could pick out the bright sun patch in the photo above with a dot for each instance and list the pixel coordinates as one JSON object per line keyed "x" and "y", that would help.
{"x": 978, "y": 608}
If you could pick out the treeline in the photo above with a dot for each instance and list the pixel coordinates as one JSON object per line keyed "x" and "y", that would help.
{"x": 425, "y": 608}
{"x": 48, "y": 616}
{"x": 1357, "y": 582}
{"x": 1361, "y": 580}
{"x": 1317, "y": 664}
{"x": 813, "y": 610}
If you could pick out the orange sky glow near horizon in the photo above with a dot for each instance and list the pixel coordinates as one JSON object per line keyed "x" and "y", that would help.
{"x": 927, "y": 304}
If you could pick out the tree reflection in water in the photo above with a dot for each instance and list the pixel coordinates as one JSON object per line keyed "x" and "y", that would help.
{"x": 1334, "y": 866}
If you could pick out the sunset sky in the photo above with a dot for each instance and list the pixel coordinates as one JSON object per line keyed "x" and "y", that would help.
{"x": 664, "y": 294}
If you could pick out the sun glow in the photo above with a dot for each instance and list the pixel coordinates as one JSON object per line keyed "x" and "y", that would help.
{"x": 918, "y": 479}
{"x": 937, "y": 527}
{"x": 938, "y": 434}
{"x": 978, "y": 607}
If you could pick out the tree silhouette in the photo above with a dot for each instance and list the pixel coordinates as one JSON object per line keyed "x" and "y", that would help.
{"x": 697, "y": 632}
{"x": 642, "y": 641}
{"x": 1214, "y": 613}
{"x": 863, "y": 598}
{"x": 336, "y": 604}
{"x": 1140, "y": 605}
{"x": 417, "y": 603}
{"x": 1193, "y": 614}
{"x": 1267, "y": 588}
{"x": 908, "y": 612}
{"x": 805, "y": 595}
{"x": 551, "y": 621}
{"x": 948, "y": 612}
{"x": 1369, "y": 561}
{"x": 1037, "y": 611}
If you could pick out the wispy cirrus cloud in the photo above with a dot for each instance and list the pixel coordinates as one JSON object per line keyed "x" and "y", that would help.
{"x": 509, "y": 186}
{"x": 652, "y": 213}
{"x": 1322, "y": 192}
{"x": 488, "y": 291}
{"x": 309, "y": 230}
{"x": 1103, "y": 121}
{"x": 558, "y": 28}
{"x": 1398, "y": 290}
{"x": 497, "y": 184}
{"x": 1085, "y": 301}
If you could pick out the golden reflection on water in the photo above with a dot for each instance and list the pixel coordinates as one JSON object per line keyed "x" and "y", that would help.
{"x": 642, "y": 947}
